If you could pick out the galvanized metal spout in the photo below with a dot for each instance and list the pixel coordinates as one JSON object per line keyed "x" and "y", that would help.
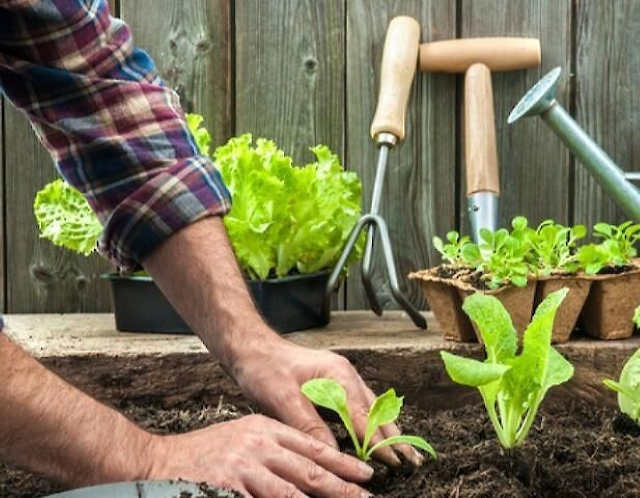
{"x": 540, "y": 100}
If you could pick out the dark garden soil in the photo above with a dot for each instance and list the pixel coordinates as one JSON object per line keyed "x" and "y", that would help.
{"x": 572, "y": 451}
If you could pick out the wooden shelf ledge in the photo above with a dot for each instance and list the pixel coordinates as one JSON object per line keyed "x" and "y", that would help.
{"x": 388, "y": 351}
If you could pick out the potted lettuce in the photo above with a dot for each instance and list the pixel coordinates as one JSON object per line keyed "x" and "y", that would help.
{"x": 287, "y": 226}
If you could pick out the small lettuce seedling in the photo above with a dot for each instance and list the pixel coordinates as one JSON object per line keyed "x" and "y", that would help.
{"x": 616, "y": 249}
{"x": 452, "y": 252}
{"x": 628, "y": 387}
{"x": 504, "y": 258}
{"x": 554, "y": 247}
{"x": 512, "y": 386}
{"x": 385, "y": 409}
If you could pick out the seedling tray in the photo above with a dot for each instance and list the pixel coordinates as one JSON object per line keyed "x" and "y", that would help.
{"x": 287, "y": 304}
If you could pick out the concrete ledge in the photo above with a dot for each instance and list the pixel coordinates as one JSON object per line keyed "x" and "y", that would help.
{"x": 388, "y": 351}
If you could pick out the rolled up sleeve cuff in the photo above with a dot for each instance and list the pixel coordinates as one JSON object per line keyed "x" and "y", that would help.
{"x": 188, "y": 191}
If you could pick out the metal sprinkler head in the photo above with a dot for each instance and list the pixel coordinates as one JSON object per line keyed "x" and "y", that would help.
{"x": 541, "y": 101}
{"x": 538, "y": 99}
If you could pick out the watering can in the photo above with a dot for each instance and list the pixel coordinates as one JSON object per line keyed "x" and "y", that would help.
{"x": 541, "y": 101}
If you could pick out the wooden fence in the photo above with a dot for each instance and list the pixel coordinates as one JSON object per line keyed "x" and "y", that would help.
{"x": 305, "y": 71}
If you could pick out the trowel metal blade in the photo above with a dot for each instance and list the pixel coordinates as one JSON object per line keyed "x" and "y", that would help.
{"x": 147, "y": 489}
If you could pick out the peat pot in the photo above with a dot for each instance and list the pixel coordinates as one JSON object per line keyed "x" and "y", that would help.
{"x": 570, "y": 309}
{"x": 608, "y": 311}
{"x": 287, "y": 304}
{"x": 445, "y": 297}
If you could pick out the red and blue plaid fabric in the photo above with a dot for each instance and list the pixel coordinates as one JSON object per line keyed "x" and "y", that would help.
{"x": 114, "y": 130}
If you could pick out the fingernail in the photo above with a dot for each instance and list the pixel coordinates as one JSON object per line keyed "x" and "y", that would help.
{"x": 417, "y": 458}
{"x": 366, "y": 470}
{"x": 366, "y": 494}
{"x": 395, "y": 461}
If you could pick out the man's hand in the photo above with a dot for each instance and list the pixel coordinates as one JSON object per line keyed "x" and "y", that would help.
{"x": 260, "y": 458}
{"x": 271, "y": 371}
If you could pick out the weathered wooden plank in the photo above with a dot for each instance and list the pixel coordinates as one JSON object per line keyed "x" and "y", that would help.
{"x": 419, "y": 196}
{"x": 290, "y": 73}
{"x": 41, "y": 277}
{"x": 534, "y": 165}
{"x": 290, "y": 76}
{"x": 190, "y": 43}
{"x": 607, "y": 97}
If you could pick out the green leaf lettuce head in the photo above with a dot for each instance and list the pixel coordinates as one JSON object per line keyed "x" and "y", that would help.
{"x": 628, "y": 387}
{"x": 385, "y": 410}
{"x": 65, "y": 218}
{"x": 286, "y": 218}
{"x": 512, "y": 385}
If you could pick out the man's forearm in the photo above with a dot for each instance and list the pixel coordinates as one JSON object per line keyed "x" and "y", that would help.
{"x": 198, "y": 272}
{"x": 49, "y": 427}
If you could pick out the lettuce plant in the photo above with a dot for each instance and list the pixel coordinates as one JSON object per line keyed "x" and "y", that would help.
{"x": 512, "y": 385}
{"x": 385, "y": 410}
{"x": 504, "y": 258}
{"x": 554, "y": 247}
{"x": 628, "y": 387}
{"x": 65, "y": 218}
{"x": 616, "y": 249}
{"x": 453, "y": 251}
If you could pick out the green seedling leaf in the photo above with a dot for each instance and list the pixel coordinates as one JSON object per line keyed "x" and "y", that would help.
{"x": 628, "y": 387}
{"x": 331, "y": 395}
{"x": 384, "y": 410}
{"x": 512, "y": 385}
{"x": 65, "y": 218}
{"x": 636, "y": 317}
{"x": 470, "y": 372}
{"x": 416, "y": 441}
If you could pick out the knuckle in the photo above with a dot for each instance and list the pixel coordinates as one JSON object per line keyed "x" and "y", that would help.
{"x": 314, "y": 475}
{"x": 290, "y": 491}
{"x": 317, "y": 447}
{"x": 349, "y": 490}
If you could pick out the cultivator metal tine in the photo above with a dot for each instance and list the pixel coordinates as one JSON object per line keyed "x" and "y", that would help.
{"x": 371, "y": 221}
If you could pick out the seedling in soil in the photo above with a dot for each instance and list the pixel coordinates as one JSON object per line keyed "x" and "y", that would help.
{"x": 453, "y": 252}
{"x": 628, "y": 387}
{"x": 616, "y": 250}
{"x": 554, "y": 247}
{"x": 385, "y": 410}
{"x": 503, "y": 258}
{"x": 512, "y": 386}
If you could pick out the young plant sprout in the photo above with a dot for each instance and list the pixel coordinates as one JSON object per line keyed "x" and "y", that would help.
{"x": 512, "y": 386}
{"x": 385, "y": 409}
{"x": 636, "y": 317}
{"x": 628, "y": 387}
{"x": 503, "y": 258}
{"x": 452, "y": 252}
{"x": 554, "y": 247}
{"x": 616, "y": 249}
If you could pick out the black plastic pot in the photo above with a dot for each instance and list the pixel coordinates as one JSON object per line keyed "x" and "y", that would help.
{"x": 287, "y": 304}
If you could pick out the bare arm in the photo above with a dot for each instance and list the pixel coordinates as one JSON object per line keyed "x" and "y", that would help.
{"x": 54, "y": 429}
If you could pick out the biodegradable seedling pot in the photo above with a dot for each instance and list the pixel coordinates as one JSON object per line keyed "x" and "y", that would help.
{"x": 518, "y": 301}
{"x": 569, "y": 311}
{"x": 445, "y": 302}
{"x": 287, "y": 304}
{"x": 608, "y": 311}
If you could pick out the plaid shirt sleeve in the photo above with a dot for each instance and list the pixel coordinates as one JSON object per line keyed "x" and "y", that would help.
{"x": 115, "y": 132}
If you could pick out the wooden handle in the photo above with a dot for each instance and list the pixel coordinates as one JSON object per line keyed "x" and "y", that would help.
{"x": 499, "y": 54}
{"x": 481, "y": 157}
{"x": 399, "y": 62}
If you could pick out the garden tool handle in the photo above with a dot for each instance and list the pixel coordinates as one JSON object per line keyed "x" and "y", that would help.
{"x": 481, "y": 157}
{"x": 498, "y": 54}
{"x": 399, "y": 63}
